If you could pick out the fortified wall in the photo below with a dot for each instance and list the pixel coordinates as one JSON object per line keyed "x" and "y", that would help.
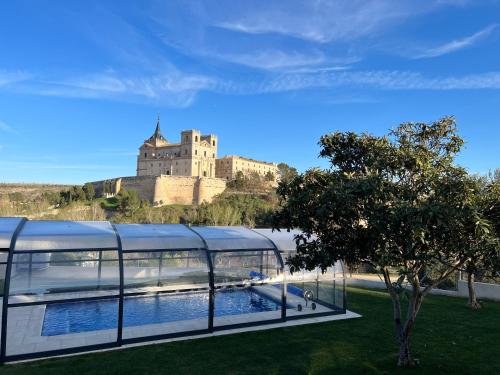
{"x": 163, "y": 190}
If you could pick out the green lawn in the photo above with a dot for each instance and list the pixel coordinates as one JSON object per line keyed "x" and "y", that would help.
{"x": 449, "y": 338}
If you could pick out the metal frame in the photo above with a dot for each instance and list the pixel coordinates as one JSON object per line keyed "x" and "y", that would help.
{"x": 6, "y": 289}
{"x": 122, "y": 294}
{"x": 211, "y": 280}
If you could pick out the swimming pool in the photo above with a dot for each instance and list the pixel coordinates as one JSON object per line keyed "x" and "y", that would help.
{"x": 73, "y": 317}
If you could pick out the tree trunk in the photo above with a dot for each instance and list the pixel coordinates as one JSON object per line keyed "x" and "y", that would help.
{"x": 403, "y": 331}
{"x": 473, "y": 302}
{"x": 404, "y": 359}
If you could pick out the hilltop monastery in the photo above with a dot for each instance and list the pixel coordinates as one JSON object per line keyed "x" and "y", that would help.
{"x": 187, "y": 172}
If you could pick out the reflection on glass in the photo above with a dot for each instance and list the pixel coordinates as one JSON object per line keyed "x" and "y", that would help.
{"x": 68, "y": 274}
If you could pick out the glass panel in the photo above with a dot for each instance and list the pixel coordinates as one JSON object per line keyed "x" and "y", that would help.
{"x": 38, "y": 328}
{"x": 169, "y": 270}
{"x": 177, "y": 300}
{"x": 312, "y": 292}
{"x": 244, "y": 267}
{"x": 3, "y": 267}
{"x": 63, "y": 275}
{"x": 248, "y": 287}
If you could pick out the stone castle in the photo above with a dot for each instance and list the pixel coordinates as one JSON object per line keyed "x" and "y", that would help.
{"x": 188, "y": 172}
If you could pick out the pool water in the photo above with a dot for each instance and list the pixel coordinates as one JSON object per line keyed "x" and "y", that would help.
{"x": 73, "y": 317}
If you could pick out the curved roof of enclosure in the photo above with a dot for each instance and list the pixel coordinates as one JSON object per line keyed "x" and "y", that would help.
{"x": 100, "y": 235}
{"x": 158, "y": 237}
{"x": 66, "y": 235}
{"x": 233, "y": 238}
{"x": 284, "y": 240}
{"x": 8, "y": 226}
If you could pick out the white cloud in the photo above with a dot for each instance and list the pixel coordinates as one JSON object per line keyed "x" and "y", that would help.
{"x": 381, "y": 80}
{"x": 274, "y": 59}
{"x": 7, "y": 128}
{"x": 175, "y": 89}
{"x": 8, "y": 77}
{"x": 56, "y": 166}
{"x": 458, "y": 44}
{"x": 323, "y": 21}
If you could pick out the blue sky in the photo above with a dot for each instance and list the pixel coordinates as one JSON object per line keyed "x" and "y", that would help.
{"x": 81, "y": 82}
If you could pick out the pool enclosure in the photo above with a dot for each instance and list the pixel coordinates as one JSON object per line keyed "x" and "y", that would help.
{"x": 78, "y": 286}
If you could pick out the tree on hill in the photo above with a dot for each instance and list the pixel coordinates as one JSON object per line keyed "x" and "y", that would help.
{"x": 270, "y": 176}
{"x": 238, "y": 183}
{"x": 286, "y": 173}
{"x": 397, "y": 202}
{"x": 128, "y": 201}
{"x": 88, "y": 189}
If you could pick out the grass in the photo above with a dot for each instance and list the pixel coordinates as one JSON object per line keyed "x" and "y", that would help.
{"x": 448, "y": 338}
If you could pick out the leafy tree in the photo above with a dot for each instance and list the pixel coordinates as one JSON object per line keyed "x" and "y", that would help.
{"x": 238, "y": 183}
{"x": 395, "y": 202}
{"x": 77, "y": 194}
{"x": 128, "y": 201}
{"x": 254, "y": 182}
{"x": 286, "y": 173}
{"x": 269, "y": 176}
{"x": 16, "y": 197}
{"x": 88, "y": 189}
{"x": 52, "y": 197}
{"x": 484, "y": 259}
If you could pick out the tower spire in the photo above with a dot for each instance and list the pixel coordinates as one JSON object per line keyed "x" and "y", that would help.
{"x": 158, "y": 130}
{"x": 157, "y": 138}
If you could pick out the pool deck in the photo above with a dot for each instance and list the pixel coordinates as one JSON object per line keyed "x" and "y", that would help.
{"x": 290, "y": 323}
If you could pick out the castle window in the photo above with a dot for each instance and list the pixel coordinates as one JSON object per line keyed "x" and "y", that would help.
{"x": 213, "y": 143}
{"x": 145, "y": 154}
{"x": 213, "y": 155}
{"x": 186, "y": 138}
{"x": 185, "y": 152}
{"x": 204, "y": 173}
{"x": 168, "y": 173}
{"x": 196, "y": 152}
{"x": 196, "y": 138}
{"x": 205, "y": 153}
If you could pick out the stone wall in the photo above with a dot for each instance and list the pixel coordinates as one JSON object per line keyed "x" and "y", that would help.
{"x": 164, "y": 190}
{"x": 208, "y": 188}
